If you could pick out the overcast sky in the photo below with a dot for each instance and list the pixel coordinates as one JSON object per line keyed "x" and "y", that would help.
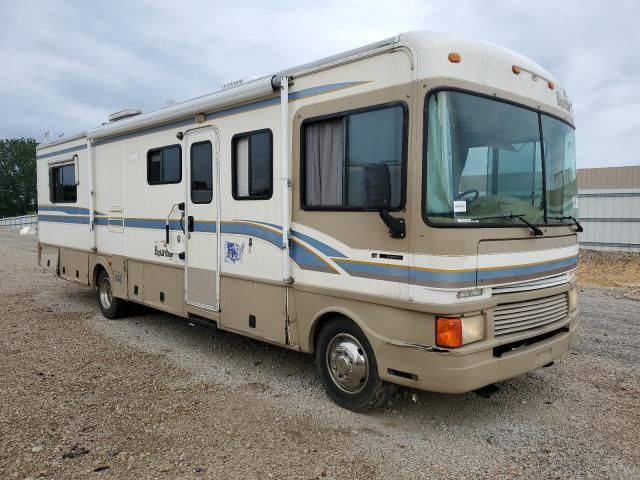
{"x": 65, "y": 65}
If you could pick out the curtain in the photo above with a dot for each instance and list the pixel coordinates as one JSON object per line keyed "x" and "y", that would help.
{"x": 325, "y": 163}
{"x": 439, "y": 156}
{"x": 242, "y": 167}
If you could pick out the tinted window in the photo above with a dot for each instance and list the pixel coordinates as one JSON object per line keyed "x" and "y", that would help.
{"x": 483, "y": 161}
{"x": 253, "y": 166}
{"x": 164, "y": 165}
{"x": 62, "y": 184}
{"x": 355, "y": 160}
{"x": 201, "y": 173}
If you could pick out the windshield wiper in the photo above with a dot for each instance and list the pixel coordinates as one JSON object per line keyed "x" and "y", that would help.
{"x": 569, "y": 217}
{"x": 536, "y": 231}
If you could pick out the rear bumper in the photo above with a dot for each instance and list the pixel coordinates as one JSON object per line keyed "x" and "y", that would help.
{"x": 459, "y": 372}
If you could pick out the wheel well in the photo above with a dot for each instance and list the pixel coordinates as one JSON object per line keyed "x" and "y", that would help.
{"x": 97, "y": 270}
{"x": 321, "y": 322}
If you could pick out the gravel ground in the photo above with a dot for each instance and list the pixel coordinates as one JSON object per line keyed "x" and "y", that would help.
{"x": 151, "y": 396}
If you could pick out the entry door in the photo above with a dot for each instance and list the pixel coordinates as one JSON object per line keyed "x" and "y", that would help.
{"x": 202, "y": 280}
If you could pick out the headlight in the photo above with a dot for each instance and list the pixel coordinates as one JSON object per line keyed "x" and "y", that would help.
{"x": 573, "y": 299}
{"x": 453, "y": 332}
{"x": 472, "y": 329}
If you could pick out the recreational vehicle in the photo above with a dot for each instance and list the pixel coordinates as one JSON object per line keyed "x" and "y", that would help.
{"x": 404, "y": 211}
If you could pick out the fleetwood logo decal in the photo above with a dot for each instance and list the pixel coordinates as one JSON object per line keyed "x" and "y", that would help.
{"x": 563, "y": 99}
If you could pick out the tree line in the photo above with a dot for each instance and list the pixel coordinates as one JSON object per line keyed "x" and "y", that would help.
{"x": 18, "y": 177}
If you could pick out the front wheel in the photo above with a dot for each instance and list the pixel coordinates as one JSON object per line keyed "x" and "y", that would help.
{"x": 110, "y": 306}
{"x": 348, "y": 368}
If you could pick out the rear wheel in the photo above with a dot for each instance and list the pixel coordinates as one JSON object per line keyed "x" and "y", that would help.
{"x": 348, "y": 368}
{"x": 110, "y": 306}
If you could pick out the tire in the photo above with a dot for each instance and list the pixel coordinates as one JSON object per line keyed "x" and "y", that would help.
{"x": 348, "y": 368}
{"x": 110, "y": 306}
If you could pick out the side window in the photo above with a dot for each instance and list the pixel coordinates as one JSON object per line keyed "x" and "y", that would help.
{"x": 355, "y": 156}
{"x": 62, "y": 184}
{"x": 201, "y": 172}
{"x": 164, "y": 165}
{"x": 252, "y": 161}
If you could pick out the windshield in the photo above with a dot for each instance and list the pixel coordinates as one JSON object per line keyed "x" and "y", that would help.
{"x": 484, "y": 163}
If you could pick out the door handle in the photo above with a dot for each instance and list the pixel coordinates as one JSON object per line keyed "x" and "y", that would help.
{"x": 190, "y": 223}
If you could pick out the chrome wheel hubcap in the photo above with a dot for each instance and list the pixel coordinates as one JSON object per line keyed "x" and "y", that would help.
{"x": 347, "y": 363}
{"x": 105, "y": 293}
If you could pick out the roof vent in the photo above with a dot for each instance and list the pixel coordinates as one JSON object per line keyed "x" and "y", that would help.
{"x": 122, "y": 114}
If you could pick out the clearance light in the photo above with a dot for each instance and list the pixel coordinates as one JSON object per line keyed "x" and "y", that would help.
{"x": 516, "y": 69}
{"x": 448, "y": 332}
{"x": 454, "y": 57}
{"x": 573, "y": 299}
{"x": 551, "y": 85}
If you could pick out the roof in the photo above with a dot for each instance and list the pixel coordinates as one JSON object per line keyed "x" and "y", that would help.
{"x": 482, "y": 62}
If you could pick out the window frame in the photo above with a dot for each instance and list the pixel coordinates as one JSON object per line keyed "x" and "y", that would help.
{"x": 160, "y": 149}
{"x": 191, "y": 172}
{"x": 73, "y": 163}
{"x": 234, "y": 164}
{"x": 423, "y": 158}
{"x": 341, "y": 115}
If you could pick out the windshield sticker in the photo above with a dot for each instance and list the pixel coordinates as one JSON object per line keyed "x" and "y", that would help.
{"x": 466, "y": 220}
{"x": 459, "y": 206}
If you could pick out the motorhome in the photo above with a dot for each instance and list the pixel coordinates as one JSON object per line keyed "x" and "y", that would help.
{"x": 405, "y": 211}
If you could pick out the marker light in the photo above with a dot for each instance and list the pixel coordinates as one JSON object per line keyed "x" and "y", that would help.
{"x": 454, "y": 57}
{"x": 448, "y": 332}
{"x": 551, "y": 85}
{"x": 516, "y": 69}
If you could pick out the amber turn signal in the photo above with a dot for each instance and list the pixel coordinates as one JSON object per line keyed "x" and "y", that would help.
{"x": 454, "y": 57}
{"x": 448, "y": 332}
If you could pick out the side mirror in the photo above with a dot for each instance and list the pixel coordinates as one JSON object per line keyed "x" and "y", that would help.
{"x": 377, "y": 196}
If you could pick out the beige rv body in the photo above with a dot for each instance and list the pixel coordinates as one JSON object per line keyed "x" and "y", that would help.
{"x": 337, "y": 259}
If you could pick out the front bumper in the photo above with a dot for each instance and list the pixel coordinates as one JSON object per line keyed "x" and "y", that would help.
{"x": 467, "y": 369}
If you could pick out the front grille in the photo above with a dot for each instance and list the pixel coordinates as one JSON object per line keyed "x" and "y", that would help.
{"x": 520, "y": 316}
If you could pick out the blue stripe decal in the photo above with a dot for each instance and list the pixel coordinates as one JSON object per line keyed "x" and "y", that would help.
{"x": 70, "y": 210}
{"x": 528, "y": 269}
{"x": 308, "y": 260}
{"x": 443, "y": 277}
{"x": 359, "y": 269}
{"x": 253, "y": 231}
{"x": 272, "y": 225}
{"x": 60, "y": 152}
{"x": 151, "y": 223}
{"x": 318, "y": 245}
{"x": 63, "y": 219}
{"x": 267, "y": 102}
{"x": 205, "y": 226}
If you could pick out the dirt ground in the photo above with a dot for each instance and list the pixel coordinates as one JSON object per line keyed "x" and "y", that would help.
{"x": 610, "y": 269}
{"x": 151, "y": 397}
